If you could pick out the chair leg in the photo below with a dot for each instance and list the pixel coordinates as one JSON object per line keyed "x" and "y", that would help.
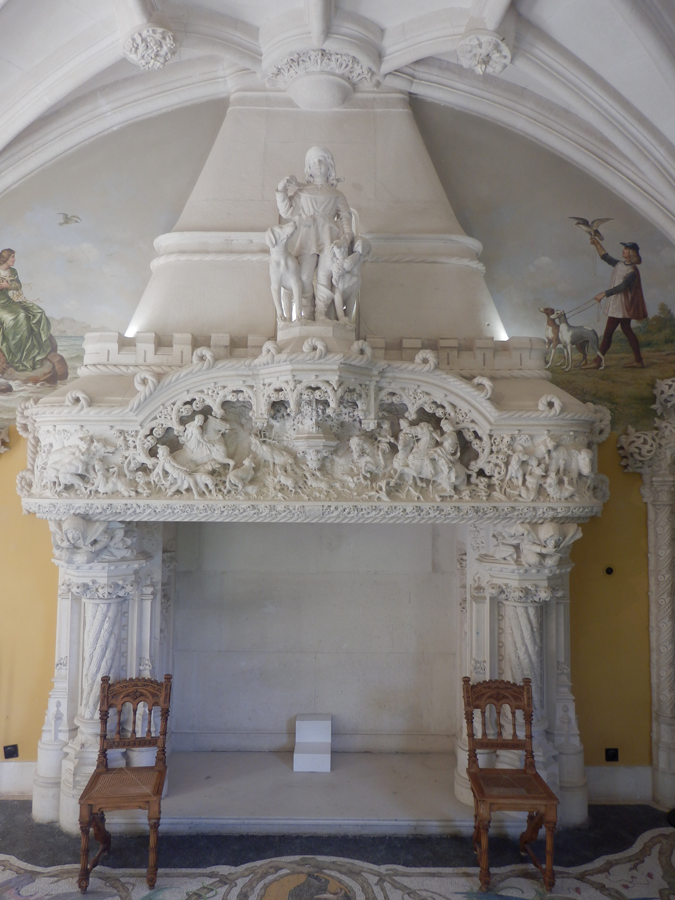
{"x": 83, "y": 879}
{"x": 476, "y": 836}
{"x": 549, "y": 877}
{"x": 152, "y": 861}
{"x": 534, "y": 823}
{"x": 102, "y": 835}
{"x": 485, "y": 877}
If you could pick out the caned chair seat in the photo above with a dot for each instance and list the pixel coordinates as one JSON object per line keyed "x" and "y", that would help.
{"x": 132, "y": 787}
{"x": 518, "y": 790}
{"x": 511, "y": 785}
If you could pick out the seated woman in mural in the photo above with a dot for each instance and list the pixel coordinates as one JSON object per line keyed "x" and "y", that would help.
{"x": 26, "y": 341}
{"x": 324, "y": 218}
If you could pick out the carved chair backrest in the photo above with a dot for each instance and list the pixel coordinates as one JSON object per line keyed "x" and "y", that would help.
{"x": 500, "y": 695}
{"x": 134, "y": 691}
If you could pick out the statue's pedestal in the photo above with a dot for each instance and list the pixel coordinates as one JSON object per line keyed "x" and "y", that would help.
{"x": 292, "y": 336}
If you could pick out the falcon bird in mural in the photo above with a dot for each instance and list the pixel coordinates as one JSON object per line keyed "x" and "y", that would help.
{"x": 69, "y": 219}
{"x": 591, "y": 228}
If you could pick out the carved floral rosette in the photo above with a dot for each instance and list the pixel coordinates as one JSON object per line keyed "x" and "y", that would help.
{"x": 284, "y": 435}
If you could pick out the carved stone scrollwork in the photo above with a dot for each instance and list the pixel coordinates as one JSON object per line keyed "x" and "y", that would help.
{"x": 484, "y": 51}
{"x": 150, "y": 47}
{"x": 637, "y": 449}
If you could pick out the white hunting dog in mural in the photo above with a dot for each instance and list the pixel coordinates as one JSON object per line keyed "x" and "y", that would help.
{"x": 570, "y": 336}
{"x": 553, "y": 341}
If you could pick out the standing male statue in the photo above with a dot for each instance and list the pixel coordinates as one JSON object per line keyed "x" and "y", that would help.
{"x": 323, "y": 219}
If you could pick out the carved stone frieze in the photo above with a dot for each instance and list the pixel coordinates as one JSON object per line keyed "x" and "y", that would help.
{"x": 520, "y": 593}
{"x": 99, "y": 590}
{"x": 349, "y": 430}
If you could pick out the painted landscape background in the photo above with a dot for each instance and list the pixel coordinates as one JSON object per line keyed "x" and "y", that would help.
{"x": 509, "y": 193}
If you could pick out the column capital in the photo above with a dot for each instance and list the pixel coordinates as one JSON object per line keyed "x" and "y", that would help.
{"x": 79, "y": 541}
{"x": 526, "y": 551}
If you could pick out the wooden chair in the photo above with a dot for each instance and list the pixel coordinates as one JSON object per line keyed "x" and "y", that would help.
{"x": 134, "y": 787}
{"x": 509, "y": 789}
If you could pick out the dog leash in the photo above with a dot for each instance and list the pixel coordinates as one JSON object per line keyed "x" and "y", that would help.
{"x": 577, "y": 310}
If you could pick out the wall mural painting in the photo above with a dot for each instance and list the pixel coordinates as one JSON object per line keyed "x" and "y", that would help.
{"x": 604, "y": 349}
{"x": 607, "y": 349}
{"x": 78, "y": 235}
{"x": 34, "y": 354}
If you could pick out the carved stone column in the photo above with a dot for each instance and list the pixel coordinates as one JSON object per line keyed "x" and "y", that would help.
{"x": 108, "y": 624}
{"x": 59, "y": 726}
{"x": 520, "y": 628}
{"x": 652, "y": 453}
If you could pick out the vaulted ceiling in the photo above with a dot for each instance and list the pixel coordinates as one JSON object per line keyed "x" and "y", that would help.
{"x": 592, "y": 80}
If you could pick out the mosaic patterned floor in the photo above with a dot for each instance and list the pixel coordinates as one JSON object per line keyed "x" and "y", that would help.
{"x": 644, "y": 872}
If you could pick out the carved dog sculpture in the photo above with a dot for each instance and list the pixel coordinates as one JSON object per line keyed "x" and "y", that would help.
{"x": 346, "y": 271}
{"x": 284, "y": 271}
{"x": 573, "y": 336}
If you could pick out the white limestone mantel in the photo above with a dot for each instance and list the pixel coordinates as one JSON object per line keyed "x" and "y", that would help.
{"x": 311, "y": 436}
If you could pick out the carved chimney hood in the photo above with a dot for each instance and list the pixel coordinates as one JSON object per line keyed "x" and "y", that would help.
{"x": 379, "y": 385}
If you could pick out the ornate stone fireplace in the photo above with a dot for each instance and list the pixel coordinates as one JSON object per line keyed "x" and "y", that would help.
{"x": 390, "y": 399}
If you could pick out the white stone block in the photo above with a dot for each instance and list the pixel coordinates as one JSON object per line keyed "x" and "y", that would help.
{"x": 312, "y": 743}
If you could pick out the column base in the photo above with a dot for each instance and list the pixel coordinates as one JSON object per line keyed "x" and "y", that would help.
{"x": 46, "y": 799}
{"x": 573, "y": 791}
{"x": 47, "y": 781}
{"x": 663, "y": 788}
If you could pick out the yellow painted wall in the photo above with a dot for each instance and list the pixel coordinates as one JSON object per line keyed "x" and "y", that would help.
{"x": 610, "y": 622}
{"x": 609, "y": 616}
{"x": 27, "y": 611}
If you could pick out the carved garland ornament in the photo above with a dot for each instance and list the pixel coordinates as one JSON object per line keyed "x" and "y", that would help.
{"x": 343, "y": 64}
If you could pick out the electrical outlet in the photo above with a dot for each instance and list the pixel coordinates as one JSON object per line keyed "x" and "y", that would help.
{"x": 11, "y": 751}
{"x": 611, "y": 754}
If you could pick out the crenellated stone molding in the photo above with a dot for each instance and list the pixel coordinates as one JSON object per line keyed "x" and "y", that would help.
{"x": 110, "y": 353}
{"x": 652, "y": 454}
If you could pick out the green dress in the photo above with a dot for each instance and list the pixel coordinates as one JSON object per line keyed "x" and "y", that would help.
{"x": 24, "y": 328}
